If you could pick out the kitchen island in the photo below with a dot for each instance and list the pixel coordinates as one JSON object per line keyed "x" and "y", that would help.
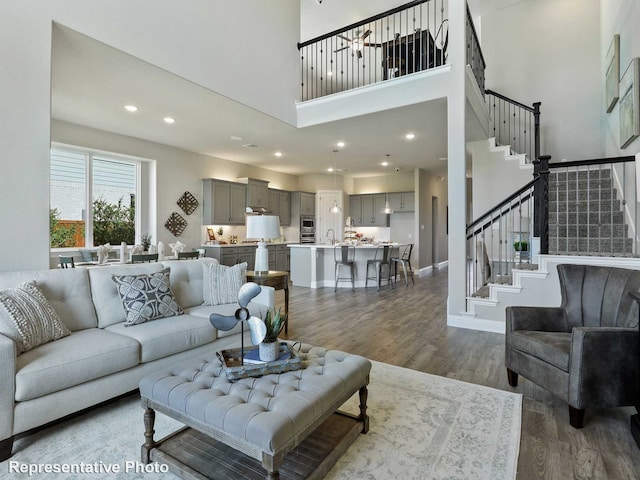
{"x": 313, "y": 265}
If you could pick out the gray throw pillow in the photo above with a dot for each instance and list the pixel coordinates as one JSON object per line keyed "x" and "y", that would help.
{"x": 146, "y": 297}
{"x": 28, "y": 318}
{"x": 221, "y": 283}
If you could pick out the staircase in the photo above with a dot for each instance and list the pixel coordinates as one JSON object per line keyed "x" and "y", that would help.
{"x": 585, "y": 215}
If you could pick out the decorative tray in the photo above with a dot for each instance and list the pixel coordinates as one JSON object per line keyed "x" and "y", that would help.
{"x": 231, "y": 359}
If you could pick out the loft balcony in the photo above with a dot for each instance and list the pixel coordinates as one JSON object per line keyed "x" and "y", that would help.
{"x": 396, "y": 58}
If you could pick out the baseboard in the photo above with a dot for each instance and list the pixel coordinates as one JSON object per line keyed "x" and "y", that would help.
{"x": 425, "y": 271}
{"x": 475, "y": 323}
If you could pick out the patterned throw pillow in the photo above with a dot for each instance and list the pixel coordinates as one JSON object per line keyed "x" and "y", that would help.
{"x": 146, "y": 297}
{"x": 221, "y": 284}
{"x": 28, "y": 318}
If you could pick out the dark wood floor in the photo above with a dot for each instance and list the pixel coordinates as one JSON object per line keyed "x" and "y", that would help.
{"x": 407, "y": 327}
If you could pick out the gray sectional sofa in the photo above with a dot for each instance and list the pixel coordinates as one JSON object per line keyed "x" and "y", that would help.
{"x": 102, "y": 358}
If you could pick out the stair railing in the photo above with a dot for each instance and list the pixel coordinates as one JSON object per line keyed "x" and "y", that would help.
{"x": 406, "y": 39}
{"x": 515, "y": 124}
{"x": 500, "y": 240}
{"x": 475, "y": 59}
{"x": 587, "y": 207}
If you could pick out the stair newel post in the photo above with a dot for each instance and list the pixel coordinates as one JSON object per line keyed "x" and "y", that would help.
{"x": 543, "y": 203}
{"x": 536, "y": 129}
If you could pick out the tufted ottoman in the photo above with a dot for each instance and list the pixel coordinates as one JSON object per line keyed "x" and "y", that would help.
{"x": 264, "y": 418}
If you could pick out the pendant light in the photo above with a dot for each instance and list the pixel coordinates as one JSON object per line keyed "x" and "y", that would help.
{"x": 387, "y": 207}
{"x": 335, "y": 208}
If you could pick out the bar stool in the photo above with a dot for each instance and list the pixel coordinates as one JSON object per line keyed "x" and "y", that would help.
{"x": 405, "y": 259}
{"x": 344, "y": 256}
{"x": 380, "y": 258}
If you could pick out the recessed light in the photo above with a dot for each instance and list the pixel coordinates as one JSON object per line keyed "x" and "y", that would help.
{"x": 384, "y": 164}
{"x": 131, "y": 108}
{"x": 330, "y": 169}
{"x": 340, "y": 144}
{"x": 329, "y": 74}
{"x": 278, "y": 154}
{"x": 236, "y": 137}
{"x": 169, "y": 120}
{"x": 410, "y": 136}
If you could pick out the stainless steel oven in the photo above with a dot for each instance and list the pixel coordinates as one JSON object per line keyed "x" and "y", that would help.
{"x": 307, "y": 229}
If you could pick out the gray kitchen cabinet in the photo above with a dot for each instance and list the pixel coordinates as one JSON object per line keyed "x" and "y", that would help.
{"x": 307, "y": 203}
{"x": 282, "y": 258}
{"x": 402, "y": 202}
{"x": 365, "y": 210}
{"x": 223, "y": 202}
{"x": 232, "y": 255}
{"x": 257, "y": 193}
{"x": 280, "y": 204}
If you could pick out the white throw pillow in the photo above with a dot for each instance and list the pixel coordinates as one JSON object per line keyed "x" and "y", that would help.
{"x": 146, "y": 297}
{"x": 221, "y": 284}
{"x": 28, "y": 318}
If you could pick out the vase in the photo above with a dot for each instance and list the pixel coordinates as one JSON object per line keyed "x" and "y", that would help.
{"x": 268, "y": 351}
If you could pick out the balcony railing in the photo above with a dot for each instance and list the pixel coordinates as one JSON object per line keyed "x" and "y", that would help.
{"x": 404, "y": 40}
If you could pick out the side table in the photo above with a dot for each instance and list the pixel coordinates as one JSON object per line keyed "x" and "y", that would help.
{"x": 279, "y": 280}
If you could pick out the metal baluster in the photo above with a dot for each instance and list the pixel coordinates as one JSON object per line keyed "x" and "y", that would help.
{"x": 611, "y": 208}
{"x": 624, "y": 205}
{"x": 588, "y": 222}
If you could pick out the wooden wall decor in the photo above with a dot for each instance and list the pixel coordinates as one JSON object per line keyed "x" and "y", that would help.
{"x": 188, "y": 203}
{"x": 175, "y": 224}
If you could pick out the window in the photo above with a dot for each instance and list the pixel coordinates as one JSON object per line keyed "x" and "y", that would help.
{"x": 93, "y": 199}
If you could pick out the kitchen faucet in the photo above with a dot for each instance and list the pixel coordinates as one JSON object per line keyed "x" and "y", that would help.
{"x": 333, "y": 237}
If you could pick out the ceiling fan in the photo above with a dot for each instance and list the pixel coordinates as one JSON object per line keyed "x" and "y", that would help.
{"x": 358, "y": 43}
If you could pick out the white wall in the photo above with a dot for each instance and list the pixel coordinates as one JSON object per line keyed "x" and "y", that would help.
{"x": 621, "y": 17}
{"x": 177, "y": 171}
{"x": 183, "y": 38}
{"x": 390, "y": 182}
{"x": 549, "y": 51}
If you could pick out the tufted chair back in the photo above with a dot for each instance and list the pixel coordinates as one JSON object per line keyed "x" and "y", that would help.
{"x": 594, "y": 296}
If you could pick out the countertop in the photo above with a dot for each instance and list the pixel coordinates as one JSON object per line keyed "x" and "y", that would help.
{"x": 244, "y": 244}
{"x": 325, "y": 245}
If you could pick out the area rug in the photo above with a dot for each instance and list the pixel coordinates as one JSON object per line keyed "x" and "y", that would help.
{"x": 422, "y": 427}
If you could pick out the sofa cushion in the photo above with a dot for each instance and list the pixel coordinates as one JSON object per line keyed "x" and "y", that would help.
{"x": 105, "y": 293}
{"x": 205, "y": 311}
{"x": 186, "y": 280}
{"x": 28, "y": 318}
{"x": 222, "y": 283}
{"x": 167, "y": 336}
{"x": 146, "y": 297}
{"x": 67, "y": 290}
{"x": 82, "y": 356}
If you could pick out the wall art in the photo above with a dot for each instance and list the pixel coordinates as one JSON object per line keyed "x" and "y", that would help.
{"x": 188, "y": 203}
{"x": 612, "y": 76}
{"x": 630, "y": 104}
{"x": 175, "y": 224}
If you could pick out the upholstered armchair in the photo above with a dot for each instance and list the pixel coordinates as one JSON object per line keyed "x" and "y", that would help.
{"x": 587, "y": 350}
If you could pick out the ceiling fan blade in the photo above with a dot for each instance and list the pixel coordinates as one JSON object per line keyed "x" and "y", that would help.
{"x": 258, "y": 330}
{"x": 223, "y": 322}
{"x": 344, "y": 38}
{"x": 340, "y": 49}
{"x": 366, "y": 34}
{"x": 247, "y": 292}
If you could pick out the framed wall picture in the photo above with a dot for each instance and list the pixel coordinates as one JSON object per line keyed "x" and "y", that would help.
{"x": 612, "y": 77}
{"x": 630, "y": 104}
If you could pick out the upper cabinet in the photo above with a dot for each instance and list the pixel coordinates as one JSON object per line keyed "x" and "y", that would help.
{"x": 223, "y": 202}
{"x": 302, "y": 203}
{"x": 280, "y": 204}
{"x": 402, "y": 202}
{"x": 257, "y": 193}
{"x": 366, "y": 210}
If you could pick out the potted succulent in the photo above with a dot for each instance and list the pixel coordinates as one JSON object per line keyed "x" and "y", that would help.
{"x": 522, "y": 250}
{"x": 145, "y": 240}
{"x": 274, "y": 321}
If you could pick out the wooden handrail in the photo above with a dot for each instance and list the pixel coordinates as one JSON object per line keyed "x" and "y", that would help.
{"x": 504, "y": 97}
{"x": 595, "y": 161}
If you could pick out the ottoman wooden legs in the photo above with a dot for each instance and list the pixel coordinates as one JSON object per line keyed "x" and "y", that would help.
{"x": 149, "y": 443}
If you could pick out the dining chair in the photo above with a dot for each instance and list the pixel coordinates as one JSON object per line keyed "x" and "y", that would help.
{"x": 188, "y": 255}
{"x": 66, "y": 262}
{"x": 344, "y": 256}
{"x": 405, "y": 259}
{"x": 144, "y": 258}
{"x": 380, "y": 259}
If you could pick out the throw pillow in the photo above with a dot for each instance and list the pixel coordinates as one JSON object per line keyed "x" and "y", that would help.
{"x": 28, "y": 318}
{"x": 222, "y": 283}
{"x": 146, "y": 297}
